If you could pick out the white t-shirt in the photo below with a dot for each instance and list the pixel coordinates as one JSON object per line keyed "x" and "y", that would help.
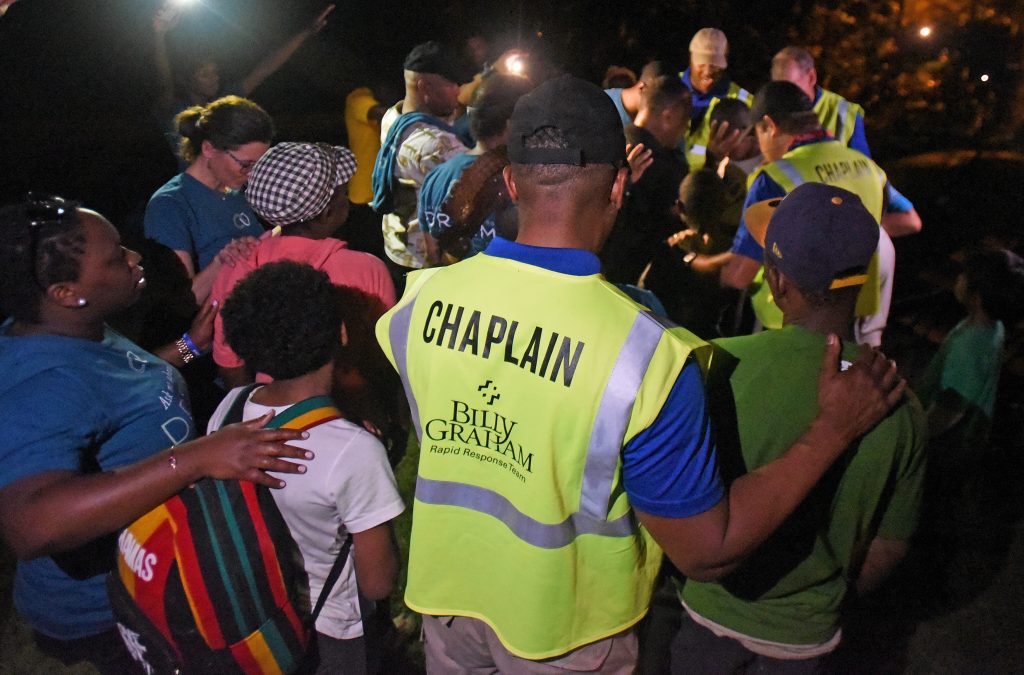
{"x": 348, "y": 487}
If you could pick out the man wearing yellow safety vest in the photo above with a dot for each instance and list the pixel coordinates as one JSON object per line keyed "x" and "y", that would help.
{"x": 708, "y": 82}
{"x": 797, "y": 150}
{"x": 845, "y": 121}
{"x": 563, "y": 432}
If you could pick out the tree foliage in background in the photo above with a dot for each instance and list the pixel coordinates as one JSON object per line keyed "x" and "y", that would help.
{"x": 922, "y": 89}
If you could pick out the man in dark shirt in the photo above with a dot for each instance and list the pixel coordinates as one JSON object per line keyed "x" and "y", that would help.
{"x": 648, "y": 218}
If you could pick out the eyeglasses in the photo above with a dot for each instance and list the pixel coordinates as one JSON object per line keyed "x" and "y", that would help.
{"x": 243, "y": 164}
{"x": 42, "y": 211}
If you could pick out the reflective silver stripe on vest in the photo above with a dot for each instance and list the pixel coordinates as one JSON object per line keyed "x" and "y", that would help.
{"x": 700, "y": 150}
{"x": 533, "y": 532}
{"x": 844, "y": 107}
{"x": 398, "y": 331}
{"x": 790, "y": 171}
{"x": 608, "y": 434}
{"x": 743, "y": 95}
{"x": 606, "y": 441}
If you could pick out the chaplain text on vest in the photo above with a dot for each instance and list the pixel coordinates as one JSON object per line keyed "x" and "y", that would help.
{"x": 546, "y": 354}
{"x": 830, "y": 172}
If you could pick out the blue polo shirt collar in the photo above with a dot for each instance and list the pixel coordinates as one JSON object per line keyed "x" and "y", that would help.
{"x": 574, "y": 261}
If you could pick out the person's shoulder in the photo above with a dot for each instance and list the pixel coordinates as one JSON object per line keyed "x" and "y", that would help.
{"x": 344, "y": 437}
{"x": 359, "y": 101}
{"x": 171, "y": 189}
{"x": 426, "y": 134}
{"x": 37, "y": 368}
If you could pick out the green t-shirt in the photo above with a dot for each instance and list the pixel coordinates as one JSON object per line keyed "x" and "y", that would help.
{"x": 968, "y": 363}
{"x": 762, "y": 394}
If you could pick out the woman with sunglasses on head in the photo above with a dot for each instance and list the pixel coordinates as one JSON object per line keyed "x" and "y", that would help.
{"x": 97, "y": 431}
{"x": 201, "y": 214}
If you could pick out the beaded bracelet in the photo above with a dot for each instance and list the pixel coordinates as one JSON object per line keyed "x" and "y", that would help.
{"x": 191, "y": 345}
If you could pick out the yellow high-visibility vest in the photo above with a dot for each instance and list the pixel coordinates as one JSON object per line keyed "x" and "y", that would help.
{"x": 524, "y": 386}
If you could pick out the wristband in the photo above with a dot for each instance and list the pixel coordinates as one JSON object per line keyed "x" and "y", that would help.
{"x": 172, "y": 461}
{"x": 191, "y": 345}
{"x": 184, "y": 351}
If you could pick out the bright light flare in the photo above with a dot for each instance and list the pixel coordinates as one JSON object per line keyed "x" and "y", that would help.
{"x": 181, "y": 4}
{"x": 514, "y": 64}
{"x": 926, "y": 31}
{"x": 984, "y": 78}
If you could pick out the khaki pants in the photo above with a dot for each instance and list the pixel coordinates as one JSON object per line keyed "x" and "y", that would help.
{"x": 462, "y": 645}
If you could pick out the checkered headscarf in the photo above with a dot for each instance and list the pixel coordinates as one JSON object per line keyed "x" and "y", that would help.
{"x": 292, "y": 182}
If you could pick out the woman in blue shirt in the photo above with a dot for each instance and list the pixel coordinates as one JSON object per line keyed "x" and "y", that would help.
{"x": 202, "y": 210}
{"x": 97, "y": 430}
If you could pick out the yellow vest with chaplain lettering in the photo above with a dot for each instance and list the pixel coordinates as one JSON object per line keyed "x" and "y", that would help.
{"x": 837, "y": 115}
{"x": 833, "y": 163}
{"x": 524, "y": 385}
{"x": 700, "y": 131}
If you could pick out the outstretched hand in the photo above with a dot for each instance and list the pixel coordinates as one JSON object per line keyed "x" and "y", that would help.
{"x": 639, "y": 158}
{"x": 247, "y": 451}
{"x": 852, "y": 401}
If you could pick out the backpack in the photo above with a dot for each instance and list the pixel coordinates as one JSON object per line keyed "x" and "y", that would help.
{"x": 208, "y": 582}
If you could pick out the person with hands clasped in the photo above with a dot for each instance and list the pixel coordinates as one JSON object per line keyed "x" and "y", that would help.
{"x": 201, "y": 214}
{"x": 98, "y": 430}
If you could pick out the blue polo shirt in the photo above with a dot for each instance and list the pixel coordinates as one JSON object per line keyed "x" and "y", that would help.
{"x": 702, "y": 101}
{"x": 670, "y": 468}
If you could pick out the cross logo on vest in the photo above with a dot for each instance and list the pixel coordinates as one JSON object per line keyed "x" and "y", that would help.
{"x": 489, "y": 391}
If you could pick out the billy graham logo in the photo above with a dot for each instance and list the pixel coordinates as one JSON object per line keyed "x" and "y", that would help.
{"x": 481, "y": 428}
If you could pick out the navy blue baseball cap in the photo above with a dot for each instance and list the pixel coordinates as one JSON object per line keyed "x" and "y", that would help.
{"x": 819, "y": 235}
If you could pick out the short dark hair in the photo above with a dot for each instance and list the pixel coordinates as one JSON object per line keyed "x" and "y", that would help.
{"x": 665, "y": 92}
{"x": 997, "y": 277}
{"x": 283, "y": 319}
{"x": 787, "y": 105}
{"x": 493, "y": 103}
{"x": 227, "y": 123}
{"x": 733, "y": 111}
{"x": 59, "y": 244}
{"x": 826, "y": 299}
{"x": 652, "y": 70}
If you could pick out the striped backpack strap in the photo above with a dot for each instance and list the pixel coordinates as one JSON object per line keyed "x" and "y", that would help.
{"x": 303, "y": 415}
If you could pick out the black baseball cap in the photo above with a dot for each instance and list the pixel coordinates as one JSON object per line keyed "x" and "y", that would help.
{"x": 439, "y": 59}
{"x": 819, "y": 235}
{"x": 584, "y": 115}
{"x": 780, "y": 98}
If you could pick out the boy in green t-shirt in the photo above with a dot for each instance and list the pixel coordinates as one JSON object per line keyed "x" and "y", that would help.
{"x": 779, "y": 612}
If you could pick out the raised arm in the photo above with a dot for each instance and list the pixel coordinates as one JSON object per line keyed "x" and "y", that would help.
{"x": 164, "y": 21}
{"x": 277, "y": 58}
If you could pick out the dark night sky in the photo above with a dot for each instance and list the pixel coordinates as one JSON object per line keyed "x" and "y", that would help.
{"x": 76, "y": 75}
